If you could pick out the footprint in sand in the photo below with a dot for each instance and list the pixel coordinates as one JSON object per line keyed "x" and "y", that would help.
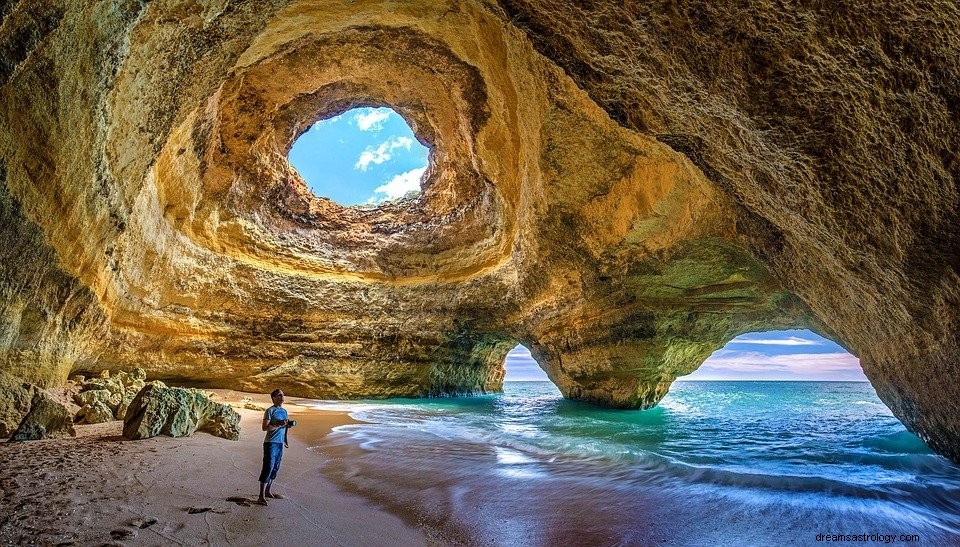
{"x": 123, "y": 534}
{"x": 144, "y": 522}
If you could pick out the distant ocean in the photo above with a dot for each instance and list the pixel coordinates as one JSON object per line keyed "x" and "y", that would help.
{"x": 716, "y": 463}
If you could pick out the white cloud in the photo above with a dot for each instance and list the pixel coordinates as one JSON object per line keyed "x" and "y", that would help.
{"x": 789, "y": 341}
{"x": 372, "y": 120}
{"x": 398, "y": 186}
{"x": 749, "y": 365}
{"x": 382, "y": 153}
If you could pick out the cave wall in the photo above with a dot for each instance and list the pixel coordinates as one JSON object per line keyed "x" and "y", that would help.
{"x": 49, "y": 321}
{"x": 623, "y": 189}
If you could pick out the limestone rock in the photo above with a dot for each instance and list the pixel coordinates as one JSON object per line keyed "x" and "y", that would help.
{"x": 15, "y": 399}
{"x": 96, "y": 412}
{"x": 178, "y": 412}
{"x": 112, "y": 385}
{"x": 47, "y": 419}
{"x": 66, "y": 395}
{"x": 116, "y": 391}
{"x": 136, "y": 375}
{"x": 124, "y": 406}
{"x": 248, "y": 404}
{"x": 102, "y": 396}
{"x": 133, "y": 381}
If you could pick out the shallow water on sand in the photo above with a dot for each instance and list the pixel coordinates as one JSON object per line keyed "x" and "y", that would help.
{"x": 718, "y": 463}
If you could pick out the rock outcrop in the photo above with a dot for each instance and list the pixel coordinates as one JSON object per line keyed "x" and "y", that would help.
{"x": 178, "y": 412}
{"x": 96, "y": 412}
{"x": 47, "y": 419}
{"x": 108, "y": 397}
{"x": 15, "y": 398}
{"x": 623, "y": 189}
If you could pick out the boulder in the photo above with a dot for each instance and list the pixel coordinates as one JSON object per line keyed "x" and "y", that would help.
{"x": 128, "y": 397}
{"x": 95, "y": 413}
{"x": 113, "y": 385}
{"x": 66, "y": 395}
{"x": 133, "y": 380}
{"x": 110, "y": 399}
{"x": 178, "y": 412}
{"x": 114, "y": 390}
{"x": 47, "y": 419}
{"x": 15, "y": 398}
{"x": 137, "y": 375}
{"x": 134, "y": 387}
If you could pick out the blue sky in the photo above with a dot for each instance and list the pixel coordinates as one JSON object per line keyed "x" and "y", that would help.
{"x": 780, "y": 355}
{"x": 364, "y": 156}
{"x": 521, "y": 366}
{"x": 773, "y": 355}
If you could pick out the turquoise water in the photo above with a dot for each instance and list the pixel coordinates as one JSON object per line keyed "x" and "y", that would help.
{"x": 720, "y": 463}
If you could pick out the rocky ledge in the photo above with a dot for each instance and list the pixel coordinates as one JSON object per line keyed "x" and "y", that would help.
{"x": 623, "y": 189}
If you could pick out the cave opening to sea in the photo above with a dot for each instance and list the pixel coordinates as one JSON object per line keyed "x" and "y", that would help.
{"x": 780, "y": 422}
{"x": 520, "y": 366}
{"x": 783, "y": 355}
{"x": 365, "y": 156}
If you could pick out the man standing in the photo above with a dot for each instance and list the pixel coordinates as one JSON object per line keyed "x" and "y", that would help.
{"x": 275, "y": 424}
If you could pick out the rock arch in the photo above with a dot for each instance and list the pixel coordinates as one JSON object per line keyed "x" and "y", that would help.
{"x": 626, "y": 190}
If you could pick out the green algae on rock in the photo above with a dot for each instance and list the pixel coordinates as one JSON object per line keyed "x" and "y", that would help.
{"x": 178, "y": 412}
{"x": 47, "y": 419}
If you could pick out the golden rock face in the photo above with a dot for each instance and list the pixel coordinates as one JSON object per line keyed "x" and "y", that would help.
{"x": 621, "y": 190}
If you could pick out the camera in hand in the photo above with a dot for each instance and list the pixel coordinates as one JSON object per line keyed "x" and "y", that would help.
{"x": 291, "y": 423}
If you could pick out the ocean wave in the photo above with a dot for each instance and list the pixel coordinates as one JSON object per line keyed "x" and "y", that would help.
{"x": 783, "y": 461}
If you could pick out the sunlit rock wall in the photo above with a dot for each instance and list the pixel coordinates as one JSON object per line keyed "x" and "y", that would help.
{"x": 621, "y": 189}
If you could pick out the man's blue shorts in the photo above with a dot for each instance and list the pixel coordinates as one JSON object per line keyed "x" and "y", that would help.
{"x": 272, "y": 452}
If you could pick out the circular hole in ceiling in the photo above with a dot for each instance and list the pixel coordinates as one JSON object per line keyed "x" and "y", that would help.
{"x": 362, "y": 157}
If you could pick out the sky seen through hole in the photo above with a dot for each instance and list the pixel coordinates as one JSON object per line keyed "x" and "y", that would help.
{"x": 365, "y": 156}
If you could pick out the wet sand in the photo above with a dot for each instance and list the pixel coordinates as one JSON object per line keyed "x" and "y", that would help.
{"x": 101, "y": 489}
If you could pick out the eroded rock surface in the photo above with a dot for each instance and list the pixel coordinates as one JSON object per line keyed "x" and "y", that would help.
{"x": 15, "y": 398}
{"x": 96, "y": 412}
{"x": 623, "y": 189}
{"x": 47, "y": 419}
{"x": 108, "y": 397}
{"x": 178, "y": 412}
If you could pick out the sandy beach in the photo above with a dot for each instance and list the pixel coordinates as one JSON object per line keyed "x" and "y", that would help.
{"x": 99, "y": 488}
